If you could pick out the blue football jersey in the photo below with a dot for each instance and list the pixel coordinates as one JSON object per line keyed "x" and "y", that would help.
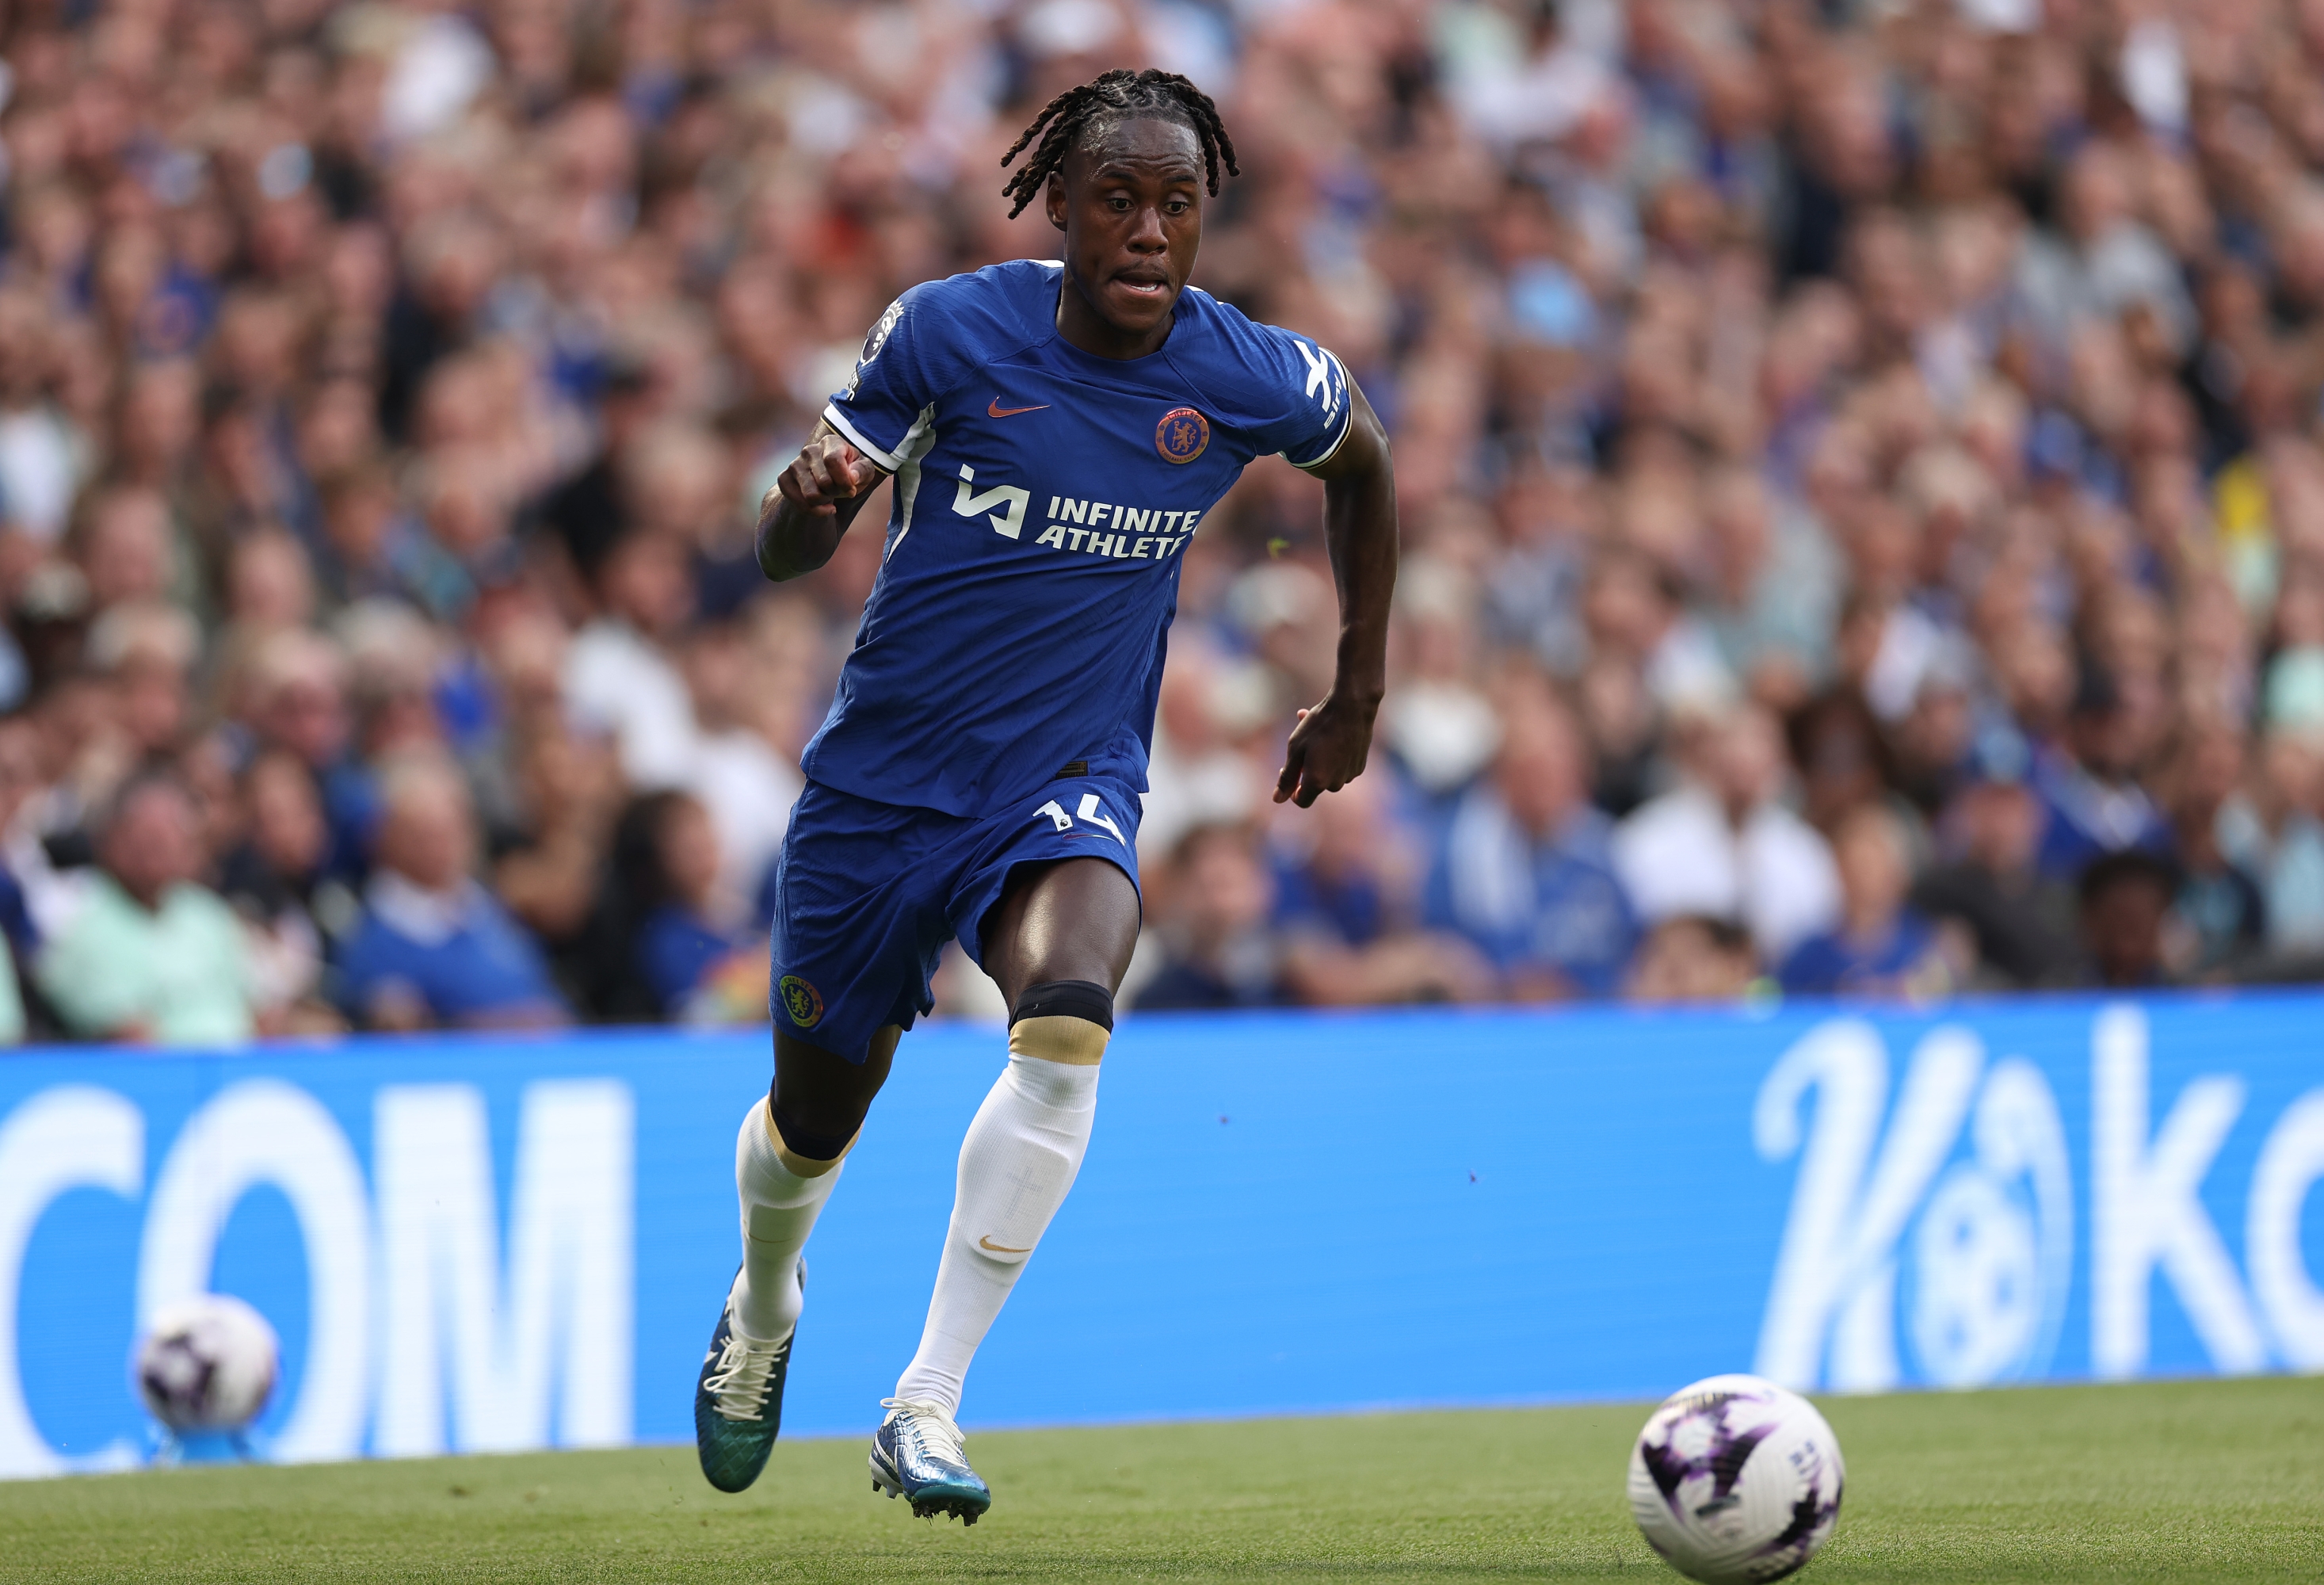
{"x": 1043, "y": 496}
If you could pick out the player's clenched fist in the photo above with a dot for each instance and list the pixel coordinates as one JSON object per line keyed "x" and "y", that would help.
{"x": 827, "y": 472}
{"x": 812, "y": 501}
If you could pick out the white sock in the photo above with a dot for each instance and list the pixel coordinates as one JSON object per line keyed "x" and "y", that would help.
{"x": 779, "y": 1210}
{"x": 1016, "y": 1165}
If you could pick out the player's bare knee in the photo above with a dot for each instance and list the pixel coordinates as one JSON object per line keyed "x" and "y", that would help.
{"x": 807, "y": 1146}
{"x": 1064, "y": 1021}
{"x": 813, "y": 1134}
{"x": 817, "y": 1102}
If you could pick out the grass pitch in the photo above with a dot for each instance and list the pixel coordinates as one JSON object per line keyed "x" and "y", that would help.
{"x": 2183, "y": 1480}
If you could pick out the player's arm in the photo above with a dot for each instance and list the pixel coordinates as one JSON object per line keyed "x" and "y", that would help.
{"x": 801, "y": 519}
{"x": 1329, "y": 745}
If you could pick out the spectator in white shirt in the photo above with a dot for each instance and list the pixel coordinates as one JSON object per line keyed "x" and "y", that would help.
{"x": 1723, "y": 845}
{"x": 43, "y": 458}
{"x": 745, "y": 780}
{"x": 620, "y": 674}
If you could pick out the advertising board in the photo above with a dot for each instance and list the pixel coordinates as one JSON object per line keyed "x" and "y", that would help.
{"x": 471, "y": 1243}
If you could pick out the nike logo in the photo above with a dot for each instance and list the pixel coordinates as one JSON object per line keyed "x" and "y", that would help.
{"x": 997, "y": 411}
{"x": 987, "y": 1243}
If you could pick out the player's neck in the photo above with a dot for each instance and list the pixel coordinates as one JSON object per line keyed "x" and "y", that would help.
{"x": 1084, "y": 327}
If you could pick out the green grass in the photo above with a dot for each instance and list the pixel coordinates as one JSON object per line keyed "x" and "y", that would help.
{"x": 2182, "y": 1480}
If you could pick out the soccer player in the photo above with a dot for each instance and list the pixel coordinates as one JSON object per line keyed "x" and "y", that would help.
{"x": 1057, "y": 431}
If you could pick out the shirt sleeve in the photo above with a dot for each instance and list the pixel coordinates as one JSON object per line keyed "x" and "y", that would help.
{"x": 12, "y": 1002}
{"x": 908, "y": 361}
{"x": 1306, "y": 408}
{"x": 89, "y": 976}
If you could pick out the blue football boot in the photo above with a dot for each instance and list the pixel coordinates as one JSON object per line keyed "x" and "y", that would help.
{"x": 738, "y": 1400}
{"x": 916, "y": 1454}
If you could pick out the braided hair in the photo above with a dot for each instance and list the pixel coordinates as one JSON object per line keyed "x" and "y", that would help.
{"x": 1120, "y": 94}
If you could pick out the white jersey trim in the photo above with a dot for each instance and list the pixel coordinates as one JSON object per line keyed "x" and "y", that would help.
{"x": 838, "y": 420}
{"x": 918, "y": 441}
{"x": 1347, "y": 419}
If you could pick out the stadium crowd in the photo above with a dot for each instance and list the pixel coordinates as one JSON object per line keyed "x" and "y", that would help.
{"x": 1863, "y": 509}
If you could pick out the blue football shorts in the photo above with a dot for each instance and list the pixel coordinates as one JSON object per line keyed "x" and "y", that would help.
{"x": 866, "y": 895}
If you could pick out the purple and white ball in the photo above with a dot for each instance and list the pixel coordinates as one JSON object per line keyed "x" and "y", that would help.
{"x": 207, "y": 1363}
{"x": 1734, "y": 1478}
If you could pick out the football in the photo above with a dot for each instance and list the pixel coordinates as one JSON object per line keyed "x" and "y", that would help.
{"x": 1736, "y": 1478}
{"x": 207, "y": 1364}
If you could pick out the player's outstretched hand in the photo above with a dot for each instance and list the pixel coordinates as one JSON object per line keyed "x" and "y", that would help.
{"x": 827, "y": 472}
{"x": 1327, "y": 751}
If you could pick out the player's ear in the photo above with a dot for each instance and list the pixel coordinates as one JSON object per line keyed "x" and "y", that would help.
{"x": 1055, "y": 200}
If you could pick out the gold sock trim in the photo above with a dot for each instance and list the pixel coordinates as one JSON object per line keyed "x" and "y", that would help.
{"x": 1059, "y": 1037}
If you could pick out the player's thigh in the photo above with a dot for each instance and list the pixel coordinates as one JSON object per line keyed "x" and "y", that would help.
{"x": 1062, "y": 920}
{"x": 825, "y": 1094}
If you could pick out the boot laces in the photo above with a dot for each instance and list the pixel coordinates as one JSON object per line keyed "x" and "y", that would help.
{"x": 934, "y": 1429}
{"x": 738, "y": 1384}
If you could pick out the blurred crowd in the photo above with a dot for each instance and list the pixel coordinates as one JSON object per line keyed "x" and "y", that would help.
{"x": 1864, "y": 517}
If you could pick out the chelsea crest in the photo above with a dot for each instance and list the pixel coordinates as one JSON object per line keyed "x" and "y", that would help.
{"x": 1182, "y": 435}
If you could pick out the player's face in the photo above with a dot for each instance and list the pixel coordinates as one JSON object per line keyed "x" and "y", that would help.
{"x": 1130, "y": 204}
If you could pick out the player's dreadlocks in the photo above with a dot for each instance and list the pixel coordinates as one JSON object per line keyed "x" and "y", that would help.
{"x": 1121, "y": 94}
